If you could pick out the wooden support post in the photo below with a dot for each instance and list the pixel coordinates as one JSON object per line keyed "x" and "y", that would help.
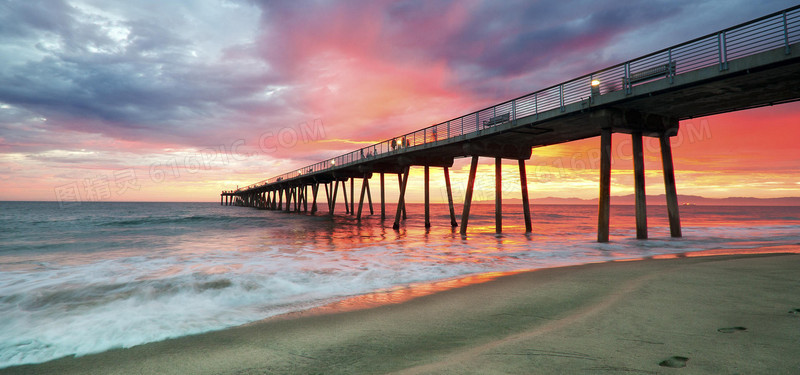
{"x": 526, "y": 205}
{"x": 498, "y": 195}
{"x": 402, "y": 199}
{"x": 344, "y": 192}
{"x": 301, "y": 191}
{"x": 328, "y": 196}
{"x": 289, "y": 199}
{"x": 369, "y": 198}
{"x": 473, "y": 168}
{"x": 604, "y": 205}
{"x": 352, "y": 196}
{"x": 361, "y": 200}
{"x": 638, "y": 176}
{"x": 400, "y": 184}
{"x": 453, "y": 222}
{"x": 280, "y": 199}
{"x": 314, "y": 191}
{"x": 221, "y": 199}
{"x": 669, "y": 184}
{"x": 333, "y": 196}
{"x": 305, "y": 195}
{"x": 298, "y": 194}
{"x": 297, "y": 199}
{"x": 383, "y": 199}
{"x": 427, "y": 197}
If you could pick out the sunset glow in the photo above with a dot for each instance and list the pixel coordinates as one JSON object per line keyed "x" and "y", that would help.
{"x": 103, "y": 101}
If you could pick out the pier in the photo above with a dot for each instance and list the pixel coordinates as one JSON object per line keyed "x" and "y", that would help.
{"x": 750, "y": 65}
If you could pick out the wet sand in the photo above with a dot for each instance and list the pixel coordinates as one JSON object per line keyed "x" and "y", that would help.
{"x": 695, "y": 315}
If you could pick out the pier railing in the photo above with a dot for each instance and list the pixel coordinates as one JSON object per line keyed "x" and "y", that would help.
{"x": 779, "y": 29}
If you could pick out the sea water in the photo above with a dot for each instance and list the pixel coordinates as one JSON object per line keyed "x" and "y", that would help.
{"x": 97, "y": 276}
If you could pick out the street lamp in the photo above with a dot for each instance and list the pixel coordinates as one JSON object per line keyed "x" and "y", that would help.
{"x": 595, "y": 87}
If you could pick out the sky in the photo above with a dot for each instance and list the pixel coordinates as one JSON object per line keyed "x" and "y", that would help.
{"x": 177, "y": 100}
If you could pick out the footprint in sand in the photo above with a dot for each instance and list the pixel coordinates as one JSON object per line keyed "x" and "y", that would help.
{"x": 732, "y": 329}
{"x": 674, "y": 362}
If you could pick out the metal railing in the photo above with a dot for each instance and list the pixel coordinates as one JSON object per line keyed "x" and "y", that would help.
{"x": 779, "y": 29}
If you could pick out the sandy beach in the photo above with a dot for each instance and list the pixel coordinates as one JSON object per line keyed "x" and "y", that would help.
{"x": 724, "y": 314}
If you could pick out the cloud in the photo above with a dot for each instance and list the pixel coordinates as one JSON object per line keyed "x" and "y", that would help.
{"x": 92, "y": 71}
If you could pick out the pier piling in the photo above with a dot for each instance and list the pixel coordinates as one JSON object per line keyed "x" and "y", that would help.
{"x": 400, "y": 184}
{"x": 383, "y": 199}
{"x": 604, "y": 205}
{"x": 526, "y": 206}
{"x": 639, "y": 182}
{"x": 669, "y": 185}
{"x": 453, "y": 222}
{"x": 364, "y": 187}
{"x": 473, "y": 169}
{"x": 498, "y": 195}
{"x": 427, "y": 197}
{"x": 352, "y": 196}
{"x": 401, "y": 202}
{"x": 345, "y": 196}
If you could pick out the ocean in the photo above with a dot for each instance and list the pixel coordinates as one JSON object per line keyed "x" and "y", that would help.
{"x": 98, "y": 276}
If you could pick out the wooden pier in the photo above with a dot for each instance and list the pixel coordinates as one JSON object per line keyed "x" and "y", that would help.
{"x": 645, "y": 97}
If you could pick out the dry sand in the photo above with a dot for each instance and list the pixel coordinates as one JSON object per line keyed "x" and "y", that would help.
{"x": 735, "y": 314}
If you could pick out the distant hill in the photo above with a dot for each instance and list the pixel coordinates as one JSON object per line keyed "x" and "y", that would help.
{"x": 661, "y": 200}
